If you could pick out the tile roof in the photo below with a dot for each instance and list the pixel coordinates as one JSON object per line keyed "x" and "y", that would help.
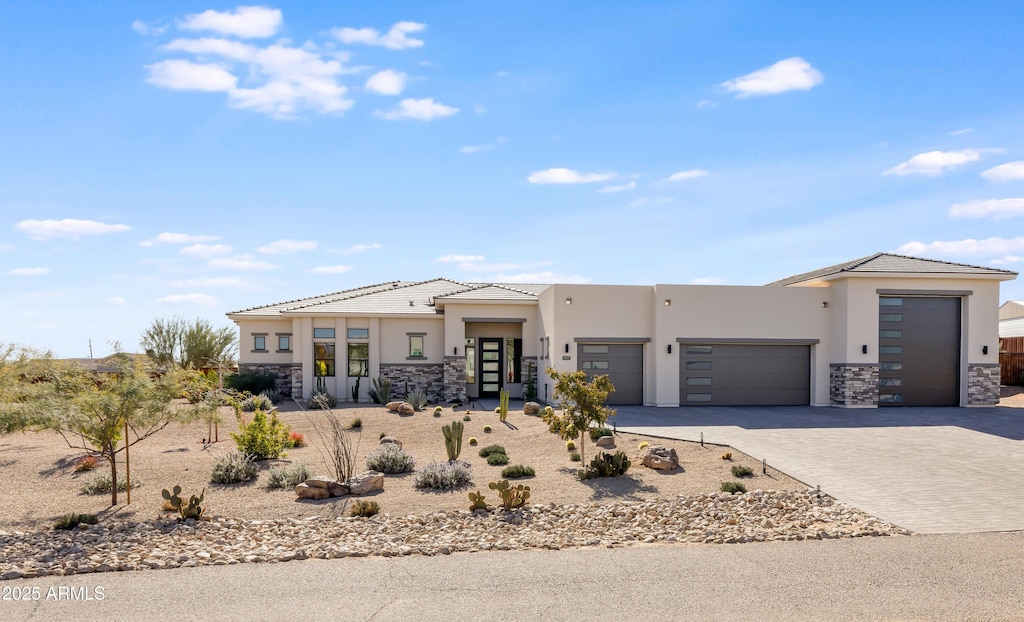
{"x": 881, "y": 263}
{"x": 497, "y": 291}
{"x": 276, "y": 308}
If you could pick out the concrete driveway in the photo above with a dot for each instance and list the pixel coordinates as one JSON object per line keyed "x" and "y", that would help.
{"x": 930, "y": 470}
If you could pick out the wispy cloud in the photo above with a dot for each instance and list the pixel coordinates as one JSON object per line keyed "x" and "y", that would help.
{"x": 707, "y": 103}
{"x": 148, "y": 30}
{"x": 622, "y": 188}
{"x": 690, "y": 174}
{"x": 418, "y": 109}
{"x": 987, "y": 247}
{"x": 540, "y": 277}
{"x": 28, "y": 271}
{"x": 707, "y": 280}
{"x": 567, "y": 176}
{"x": 331, "y": 269}
{"x": 188, "y": 299}
{"x": 998, "y": 209}
{"x": 792, "y": 74}
{"x": 935, "y": 163}
{"x": 459, "y": 258}
{"x": 212, "y": 282}
{"x": 206, "y": 251}
{"x": 651, "y": 201}
{"x": 356, "y": 248}
{"x": 397, "y": 38}
{"x": 240, "y": 263}
{"x": 67, "y": 228}
{"x": 1008, "y": 260}
{"x": 1011, "y": 171}
{"x": 386, "y": 82}
{"x": 961, "y": 132}
{"x": 117, "y": 300}
{"x": 282, "y": 247}
{"x": 497, "y": 142}
{"x": 178, "y": 238}
{"x": 245, "y": 22}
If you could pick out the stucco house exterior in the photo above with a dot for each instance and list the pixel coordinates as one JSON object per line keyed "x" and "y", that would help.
{"x": 882, "y": 330}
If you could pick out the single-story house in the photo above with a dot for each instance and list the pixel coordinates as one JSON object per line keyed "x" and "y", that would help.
{"x": 1011, "y": 319}
{"x": 882, "y": 330}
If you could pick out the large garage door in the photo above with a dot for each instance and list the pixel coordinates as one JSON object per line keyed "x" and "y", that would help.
{"x": 624, "y": 364}
{"x": 744, "y": 375}
{"x": 918, "y": 351}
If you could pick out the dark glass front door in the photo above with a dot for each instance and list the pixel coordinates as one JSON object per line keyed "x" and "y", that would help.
{"x": 490, "y": 367}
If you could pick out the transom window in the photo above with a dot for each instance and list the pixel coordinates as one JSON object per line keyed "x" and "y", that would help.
{"x": 323, "y": 333}
{"x": 359, "y": 333}
{"x": 595, "y": 349}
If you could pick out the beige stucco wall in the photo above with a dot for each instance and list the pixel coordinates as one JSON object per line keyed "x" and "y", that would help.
{"x": 248, "y": 328}
{"x": 394, "y": 340}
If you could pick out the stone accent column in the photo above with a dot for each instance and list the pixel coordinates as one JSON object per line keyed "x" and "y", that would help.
{"x": 982, "y": 384}
{"x": 853, "y": 384}
{"x": 287, "y": 376}
{"x": 455, "y": 379}
{"x": 425, "y": 377}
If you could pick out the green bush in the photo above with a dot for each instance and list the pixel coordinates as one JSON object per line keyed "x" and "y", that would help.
{"x": 70, "y": 521}
{"x": 263, "y": 439}
{"x": 733, "y": 487}
{"x": 253, "y": 382}
{"x": 596, "y": 433}
{"x": 289, "y": 476}
{"x": 417, "y": 399}
{"x": 389, "y": 458}
{"x": 516, "y": 471}
{"x": 101, "y": 484}
{"x": 492, "y": 449}
{"x": 574, "y": 456}
{"x": 444, "y": 475}
{"x": 234, "y": 468}
{"x": 497, "y": 459}
{"x": 467, "y": 418}
{"x": 364, "y": 508}
{"x": 741, "y": 471}
{"x": 356, "y": 423}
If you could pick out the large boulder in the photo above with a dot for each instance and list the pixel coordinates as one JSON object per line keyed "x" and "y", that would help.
{"x": 531, "y": 408}
{"x": 338, "y": 489}
{"x": 320, "y": 481}
{"x": 393, "y": 406}
{"x": 659, "y": 457}
{"x": 384, "y": 440}
{"x": 405, "y": 408}
{"x": 305, "y": 491}
{"x": 605, "y": 441}
{"x": 366, "y": 482}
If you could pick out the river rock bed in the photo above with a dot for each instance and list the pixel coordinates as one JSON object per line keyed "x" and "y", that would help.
{"x": 717, "y": 518}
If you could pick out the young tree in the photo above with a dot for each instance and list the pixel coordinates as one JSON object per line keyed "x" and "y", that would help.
{"x": 582, "y": 405}
{"x": 189, "y": 344}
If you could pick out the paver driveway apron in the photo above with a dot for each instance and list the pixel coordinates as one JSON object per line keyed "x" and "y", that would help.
{"x": 930, "y": 470}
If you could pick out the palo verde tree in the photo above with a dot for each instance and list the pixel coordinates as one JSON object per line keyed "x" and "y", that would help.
{"x": 106, "y": 413}
{"x": 189, "y": 344}
{"x": 581, "y": 403}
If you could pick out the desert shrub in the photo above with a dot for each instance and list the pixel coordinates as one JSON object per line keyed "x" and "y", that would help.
{"x": 517, "y": 470}
{"x": 263, "y": 439}
{"x": 492, "y": 449}
{"x": 101, "y": 484}
{"x": 417, "y": 399}
{"x": 364, "y": 508}
{"x": 234, "y": 468}
{"x": 319, "y": 399}
{"x": 444, "y": 475}
{"x": 257, "y": 402}
{"x": 273, "y": 395}
{"x": 380, "y": 392}
{"x": 596, "y": 433}
{"x": 472, "y": 440}
{"x": 741, "y": 471}
{"x": 253, "y": 382}
{"x": 296, "y": 439}
{"x": 86, "y": 463}
{"x": 289, "y": 476}
{"x": 497, "y": 459}
{"x": 356, "y": 423}
{"x": 733, "y": 487}
{"x": 70, "y": 521}
{"x": 606, "y": 465}
{"x": 644, "y": 444}
{"x": 548, "y": 411}
{"x": 389, "y": 458}
{"x": 575, "y": 456}
{"x": 727, "y": 455}
{"x": 570, "y": 445}
{"x": 467, "y": 418}
{"x": 487, "y": 429}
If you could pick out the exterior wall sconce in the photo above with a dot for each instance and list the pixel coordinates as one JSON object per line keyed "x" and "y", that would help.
{"x": 568, "y": 301}
{"x": 670, "y": 348}
{"x": 984, "y": 349}
{"x": 824, "y": 305}
{"x": 863, "y": 349}
{"x": 567, "y": 348}
{"x": 455, "y": 350}
{"x": 668, "y": 302}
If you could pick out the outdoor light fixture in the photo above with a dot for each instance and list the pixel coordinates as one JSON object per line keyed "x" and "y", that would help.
{"x": 670, "y": 348}
{"x": 863, "y": 349}
{"x": 566, "y": 348}
{"x": 824, "y": 305}
{"x": 568, "y": 301}
{"x": 668, "y": 302}
{"x": 984, "y": 349}
{"x": 455, "y": 350}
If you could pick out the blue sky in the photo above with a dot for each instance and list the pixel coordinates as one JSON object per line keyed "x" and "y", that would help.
{"x": 183, "y": 158}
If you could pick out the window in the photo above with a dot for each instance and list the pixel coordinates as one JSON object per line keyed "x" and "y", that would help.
{"x": 890, "y": 302}
{"x": 513, "y": 360}
{"x": 595, "y": 349}
{"x": 891, "y": 366}
{"x": 547, "y": 347}
{"x": 890, "y": 334}
{"x": 894, "y": 397}
{"x": 358, "y": 333}
{"x": 284, "y": 343}
{"x": 890, "y": 382}
{"x": 470, "y": 361}
{"x": 698, "y": 382}
{"x": 416, "y": 346}
{"x": 323, "y": 359}
{"x": 698, "y": 349}
{"x": 890, "y": 317}
{"x": 358, "y": 359}
{"x": 702, "y": 365}
{"x": 259, "y": 343}
{"x": 323, "y": 333}
{"x": 698, "y": 397}
{"x": 890, "y": 349}
{"x": 595, "y": 364}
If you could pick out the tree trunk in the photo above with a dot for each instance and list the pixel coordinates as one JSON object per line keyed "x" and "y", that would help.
{"x": 111, "y": 458}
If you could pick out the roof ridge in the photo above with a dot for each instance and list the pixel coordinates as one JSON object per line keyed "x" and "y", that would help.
{"x": 396, "y": 286}
{"x": 856, "y": 263}
{"x": 948, "y": 263}
{"x": 330, "y": 295}
{"x": 513, "y": 289}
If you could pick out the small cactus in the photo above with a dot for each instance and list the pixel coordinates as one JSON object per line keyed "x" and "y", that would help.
{"x": 570, "y": 445}
{"x": 548, "y": 411}
{"x": 487, "y": 429}
{"x": 727, "y": 455}
{"x": 478, "y": 502}
{"x": 497, "y": 410}
{"x": 502, "y": 409}
{"x": 192, "y": 509}
{"x": 472, "y": 440}
{"x": 453, "y": 439}
{"x": 644, "y": 444}
{"x": 512, "y": 497}
{"x": 467, "y": 418}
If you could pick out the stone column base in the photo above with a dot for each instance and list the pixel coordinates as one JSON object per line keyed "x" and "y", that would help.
{"x": 853, "y": 385}
{"x": 455, "y": 378}
{"x": 983, "y": 384}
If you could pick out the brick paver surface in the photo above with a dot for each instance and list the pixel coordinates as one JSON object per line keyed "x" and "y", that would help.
{"x": 930, "y": 470}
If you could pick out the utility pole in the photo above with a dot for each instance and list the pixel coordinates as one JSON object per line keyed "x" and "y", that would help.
{"x": 90, "y": 348}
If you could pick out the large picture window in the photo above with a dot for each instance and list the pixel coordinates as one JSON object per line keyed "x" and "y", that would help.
{"x": 358, "y": 359}
{"x": 323, "y": 359}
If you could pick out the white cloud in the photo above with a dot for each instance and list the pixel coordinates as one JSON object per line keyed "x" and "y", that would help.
{"x": 216, "y": 281}
{"x": 567, "y": 176}
{"x": 934, "y": 163}
{"x": 282, "y": 247}
{"x": 624, "y": 187}
{"x": 187, "y": 299}
{"x": 240, "y": 263}
{"x": 147, "y": 30}
{"x": 179, "y": 238}
{"x": 117, "y": 300}
{"x": 792, "y": 74}
{"x": 998, "y": 209}
{"x": 356, "y": 248}
{"x": 459, "y": 258}
{"x": 28, "y": 271}
{"x": 691, "y": 174}
{"x": 395, "y": 39}
{"x": 387, "y": 82}
{"x": 650, "y": 201}
{"x": 484, "y": 147}
{"x": 331, "y": 269}
{"x": 6, "y": 248}
{"x": 1008, "y": 260}
{"x": 183, "y": 75}
{"x": 66, "y": 228}
{"x": 707, "y": 280}
{"x": 540, "y": 277}
{"x": 988, "y": 246}
{"x": 206, "y": 251}
{"x": 1011, "y": 171}
{"x": 961, "y": 132}
{"x": 245, "y": 22}
{"x": 707, "y": 103}
{"x": 419, "y": 109}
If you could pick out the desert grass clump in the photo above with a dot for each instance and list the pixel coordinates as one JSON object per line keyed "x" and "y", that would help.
{"x": 389, "y": 458}
{"x": 497, "y": 459}
{"x": 741, "y": 471}
{"x": 101, "y": 484}
{"x": 444, "y": 475}
{"x": 467, "y": 418}
{"x": 70, "y": 521}
{"x": 733, "y": 487}
{"x": 289, "y": 476}
{"x": 335, "y": 447}
{"x": 492, "y": 449}
{"x": 234, "y": 468}
{"x": 516, "y": 471}
{"x": 575, "y": 456}
{"x": 596, "y": 433}
{"x": 356, "y": 424}
{"x": 727, "y": 456}
{"x": 364, "y": 508}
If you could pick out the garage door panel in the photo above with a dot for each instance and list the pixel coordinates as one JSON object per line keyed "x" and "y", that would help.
{"x": 924, "y": 345}
{"x": 745, "y": 375}
{"x": 623, "y": 363}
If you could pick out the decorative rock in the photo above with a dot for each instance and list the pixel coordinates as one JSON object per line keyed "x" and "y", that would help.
{"x": 338, "y": 489}
{"x": 531, "y": 408}
{"x": 659, "y": 457}
{"x": 320, "y": 481}
{"x": 405, "y": 409}
{"x": 605, "y": 441}
{"x": 304, "y": 491}
{"x": 366, "y": 482}
{"x": 393, "y": 406}
{"x": 392, "y": 440}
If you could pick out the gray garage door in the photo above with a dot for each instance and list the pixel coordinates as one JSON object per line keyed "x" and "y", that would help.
{"x": 624, "y": 364}
{"x": 744, "y": 375}
{"x": 918, "y": 351}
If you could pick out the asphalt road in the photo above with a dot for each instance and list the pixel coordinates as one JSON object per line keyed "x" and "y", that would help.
{"x": 937, "y": 577}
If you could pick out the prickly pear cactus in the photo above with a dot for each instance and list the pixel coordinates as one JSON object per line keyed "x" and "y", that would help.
{"x": 477, "y": 500}
{"x": 512, "y": 497}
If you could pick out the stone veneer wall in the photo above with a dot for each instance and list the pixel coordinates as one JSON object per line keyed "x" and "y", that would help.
{"x": 287, "y": 376}
{"x": 982, "y": 384}
{"x": 455, "y": 379}
{"x": 426, "y": 377}
{"x": 853, "y": 385}
{"x": 524, "y": 365}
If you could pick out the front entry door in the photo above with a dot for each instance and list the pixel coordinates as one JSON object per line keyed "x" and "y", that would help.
{"x": 490, "y": 367}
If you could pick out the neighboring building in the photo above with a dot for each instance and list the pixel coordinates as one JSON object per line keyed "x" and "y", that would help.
{"x": 880, "y": 330}
{"x": 1011, "y": 319}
